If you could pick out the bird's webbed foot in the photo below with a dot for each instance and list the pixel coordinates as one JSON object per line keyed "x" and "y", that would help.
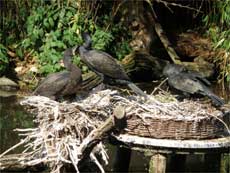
{"x": 182, "y": 96}
{"x": 99, "y": 87}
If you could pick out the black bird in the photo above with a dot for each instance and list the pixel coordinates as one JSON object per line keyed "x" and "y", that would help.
{"x": 190, "y": 83}
{"x": 105, "y": 66}
{"x": 62, "y": 83}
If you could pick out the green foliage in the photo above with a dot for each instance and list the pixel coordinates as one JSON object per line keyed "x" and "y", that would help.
{"x": 49, "y": 32}
{"x": 3, "y": 59}
{"x": 218, "y": 22}
{"x": 49, "y": 27}
{"x": 122, "y": 49}
{"x": 101, "y": 39}
{"x": 121, "y": 42}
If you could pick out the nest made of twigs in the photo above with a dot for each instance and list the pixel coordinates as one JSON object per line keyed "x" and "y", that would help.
{"x": 63, "y": 128}
{"x": 159, "y": 117}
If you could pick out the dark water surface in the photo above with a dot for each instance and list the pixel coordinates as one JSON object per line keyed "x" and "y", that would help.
{"x": 12, "y": 115}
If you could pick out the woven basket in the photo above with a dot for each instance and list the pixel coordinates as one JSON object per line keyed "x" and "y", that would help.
{"x": 175, "y": 129}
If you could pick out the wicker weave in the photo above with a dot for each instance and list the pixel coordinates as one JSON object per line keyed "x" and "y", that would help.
{"x": 175, "y": 129}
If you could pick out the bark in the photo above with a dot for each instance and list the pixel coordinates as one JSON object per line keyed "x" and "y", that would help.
{"x": 134, "y": 17}
{"x": 166, "y": 43}
{"x": 142, "y": 67}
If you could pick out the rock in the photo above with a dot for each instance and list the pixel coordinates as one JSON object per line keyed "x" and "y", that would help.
{"x": 7, "y": 84}
{"x": 7, "y": 93}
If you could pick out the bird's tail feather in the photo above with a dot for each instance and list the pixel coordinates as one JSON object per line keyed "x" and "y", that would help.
{"x": 133, "y": 87}
{"x": 137, "y": 90}
{"x": 215, "y": 99}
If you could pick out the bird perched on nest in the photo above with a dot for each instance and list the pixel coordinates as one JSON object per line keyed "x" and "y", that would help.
{"x": 190, "y": 83}
{"x": 105, "y": 66}
{"x": 62, "y": 83}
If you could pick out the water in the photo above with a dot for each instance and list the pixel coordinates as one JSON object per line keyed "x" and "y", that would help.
{"x": 12, "y": 115}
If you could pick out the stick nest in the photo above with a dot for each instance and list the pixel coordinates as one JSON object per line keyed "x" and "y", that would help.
{"x": 62, "y": 128}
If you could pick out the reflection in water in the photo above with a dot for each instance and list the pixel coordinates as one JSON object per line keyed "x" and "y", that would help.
{"x": 12, "y": 116}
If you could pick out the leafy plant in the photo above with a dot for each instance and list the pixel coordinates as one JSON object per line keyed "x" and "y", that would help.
{"x": 4, "y": 61}
{"x": 122, "y": 49}
{"x": 218, "y": 22}
{"x": 47, "y": 28}
{"x": 101, "y": 39}
{"x": 49, "y": 32}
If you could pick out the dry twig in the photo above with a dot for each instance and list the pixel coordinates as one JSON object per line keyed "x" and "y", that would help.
{"x": 65, "y": 129}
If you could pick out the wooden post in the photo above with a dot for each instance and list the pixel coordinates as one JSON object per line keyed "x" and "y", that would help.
{"x": 122, "y": 159}
{"x": 157, "y": 164}
{"x": 225, "y": 163}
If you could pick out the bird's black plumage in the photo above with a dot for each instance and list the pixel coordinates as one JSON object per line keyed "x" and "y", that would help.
{"x": 189, "y": 82}
{"x": 62, "y": 83}
{"x": 105, "y": 65}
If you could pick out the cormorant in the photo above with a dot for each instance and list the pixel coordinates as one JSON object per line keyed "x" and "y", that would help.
{"x": 105, "y": 66}
{"x": 190, "y": 83}
{"x": 62, "y": 83}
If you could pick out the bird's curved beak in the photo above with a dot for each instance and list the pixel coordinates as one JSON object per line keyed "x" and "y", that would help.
{"x": 74, "y": 49}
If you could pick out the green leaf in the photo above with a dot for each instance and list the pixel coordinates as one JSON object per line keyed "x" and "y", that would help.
{"x": 76, "y": 60}
{"x": 19, "y": 52}
{"x": 228, "y": 78}
{"x": 51, "y": 22}
{"x": 101, "y": 39}
{"x": 85, "y": 68}
{"x": 46, "y": 23}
